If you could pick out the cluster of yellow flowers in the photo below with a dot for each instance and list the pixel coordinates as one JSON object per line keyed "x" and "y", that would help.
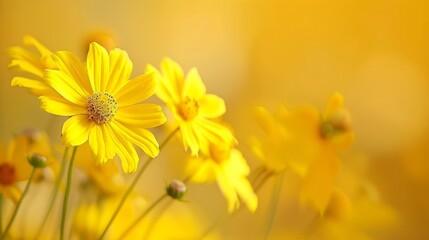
{"x": 108, "y": 117}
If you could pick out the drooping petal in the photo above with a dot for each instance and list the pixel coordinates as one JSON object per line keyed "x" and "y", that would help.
{"x": 141, "y": 115}
{"x": 66, "y": 86}
{"x": 194, "y": 86}
{"x": 29, "y": 65}
{"x": 71, "y": 65}
{"x": 120, "y": 70}
{"x": 76, "y": 130}
{"x": 136, "y": 90}
{"x": 214, "y": 132}
{"x": 138, "y": 136}
{"x": 317, "y": 184}
{"x": 61, "y": 107}
{"x": 211, "y": 106}
{"x": 227, "y": 190}
{"x": 97, "y": 64}
{"x": 97, "y": 144}
{"x": 190, "y": 140}
{"x": 125, "y": 151}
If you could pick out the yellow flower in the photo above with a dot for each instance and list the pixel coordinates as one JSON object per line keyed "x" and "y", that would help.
{"x": 104, "y": 106}
{"x": 14, "y": 166}
{"x": 192, "y": 108}
{"x": 228, "y": 167}
{"x": 106, "y": 177}
{"x": 306, "y": 141}
{"x": 28, "y": 61}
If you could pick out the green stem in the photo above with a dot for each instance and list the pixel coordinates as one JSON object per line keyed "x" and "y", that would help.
{"x": 273, "y": 204}
{"x": 67, "y": 193}
{"x": 227, "y": 217}
{"x": 1, "y": 214}
{"x": 55, "y": 192}
{"x": 147, "y": 211}
{"x": 134, "y": 183}
{"x": 30, "y": 180}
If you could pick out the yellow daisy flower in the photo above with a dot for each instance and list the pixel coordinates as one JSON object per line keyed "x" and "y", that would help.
{"x": 193, "y": 109}
{"x": 14, "y": 166}
{"x": 307, "y": 142}
{"x": 104, "y": 106}
{"x": 228, "y": 167}
{"x": 28, "y": 61}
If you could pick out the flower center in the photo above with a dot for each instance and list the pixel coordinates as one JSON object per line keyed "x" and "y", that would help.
{"x": 188, "y": 109}
{"x": 219, "y": 152}
{"x": 102, "y": 107}
{"x": 7, "y": 174}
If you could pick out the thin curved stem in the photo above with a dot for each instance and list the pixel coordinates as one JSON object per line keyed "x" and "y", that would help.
{"x": 55, "y": 192}
{"x": 226, "y": 217}
{"x": 273, "y": 204}
{"x": 134, "y": 183}
{"x": 146, "y": 212}
{"x": 15, "y": 212}
{"x": 1, "y": 214}
{"x": 67, "y": 193}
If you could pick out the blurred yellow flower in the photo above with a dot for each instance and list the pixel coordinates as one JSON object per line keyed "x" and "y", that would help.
{"x": 105, "y": 177}
{"x": 227, "y": 166}
{"x": 104, "y": 105}
{"x": 306, "y": 141}
{"x": 27, "y": 61}
{"x": 14, "y": 166}
{"x": 192, "y": 108}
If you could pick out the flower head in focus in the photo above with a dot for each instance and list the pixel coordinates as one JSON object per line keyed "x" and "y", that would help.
{"x": 193, "y": 109}
{"x": 306, "y": 141}
{"x": 32, "y": 63}
{"x": 229, "y": 169}
{"x": 14, "y": 165}
{"x": 104, "y": 107}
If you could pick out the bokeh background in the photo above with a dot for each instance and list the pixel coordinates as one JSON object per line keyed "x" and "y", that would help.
{"x": 265, "y": 53}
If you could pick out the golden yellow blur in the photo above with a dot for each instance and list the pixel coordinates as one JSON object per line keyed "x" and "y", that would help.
{"x": 265, "y": 53}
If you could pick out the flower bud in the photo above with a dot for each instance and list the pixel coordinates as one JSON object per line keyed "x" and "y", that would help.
{"x": 176, "y": 189}
{"x": 37, "y": 160}
{"x": 339, "y": 122}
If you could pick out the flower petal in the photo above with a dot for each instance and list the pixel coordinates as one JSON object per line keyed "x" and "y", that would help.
{"x": 25, "y": 60}
{"x": 70, "y": 64}
{"x": 120, "y": 70}
{"x": 76, "y": 130}
{"x": 30, "y": 83}
{"x": 97, "y": 144}
{"x": 58, "y": 106}
{"x": 194, "y": 86}
{"x": 136, "y": 90}
{"x": 97, "y": 64}
{"x": 173, "y": 79}
{"x": 125, "y": 150}
{"x": 66, "y": 86}
{"x": 138, "y": 136}
{"x": 141, "y": 115}
{"x": 211, "y": 106}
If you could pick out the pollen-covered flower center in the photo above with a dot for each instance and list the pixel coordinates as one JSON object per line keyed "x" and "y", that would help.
{"x": 102, "y": 107}
{"x": 7, "y": 174}
{"x": 188, "y": 109}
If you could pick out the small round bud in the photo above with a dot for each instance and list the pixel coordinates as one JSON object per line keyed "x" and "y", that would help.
{"x": 338, "y": 122}
{"x": 176, "y": 189}
{"x": 37, "y": 160}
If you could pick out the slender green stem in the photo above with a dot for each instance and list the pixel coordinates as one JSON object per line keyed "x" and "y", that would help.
{"x": 1, "y": 214}
{"x": 147, "y": 211}
{"x": 55, "y": 191}
{"x": 30, "y": 180}
{"x": 227, "y": 217}
{"x": 134, "y": 183}
{"x": 273, "y": 204}
{"x": 67, "y": 193}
